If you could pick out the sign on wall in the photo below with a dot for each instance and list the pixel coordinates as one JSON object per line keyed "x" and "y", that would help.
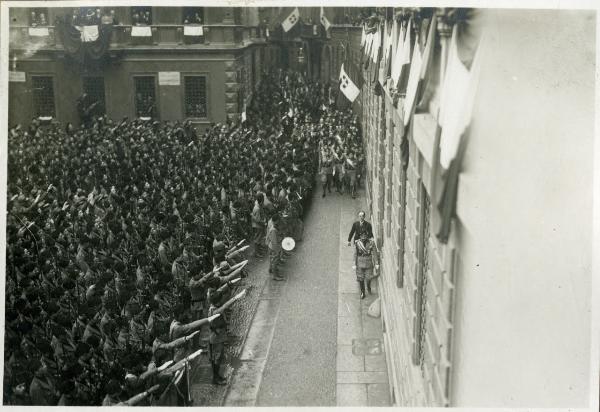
{"x": 16, "y": 76}
{"x": 169, "y": 79}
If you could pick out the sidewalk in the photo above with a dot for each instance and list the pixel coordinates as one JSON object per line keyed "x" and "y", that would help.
{"x": 362, "y": 378}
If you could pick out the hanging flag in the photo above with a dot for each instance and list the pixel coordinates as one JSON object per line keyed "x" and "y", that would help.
{"x": 363, "y": 37}
{"x": 376, "y": 46}
{"x": 456, "y": 101}
{"x": 370, "y": 38}
{"x": 418, "y": 71}
{"x": 398, "y": 57}
{"x": 347, "y": 86}
{"x": 88, "y": 33}
{"x": 324, "y": 21}
{"x": 413, "y": 81}
{"x": 291, "y": 20}
{"x": 406, "y": 49}
{"x": 429, "y": 47}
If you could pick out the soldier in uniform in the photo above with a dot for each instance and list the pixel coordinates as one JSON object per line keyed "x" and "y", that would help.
{"x": 365, "y": 257}
{"x": 218, "y": 333}
{"x": 274, "y": 244}
{"x": 326, "y": 171}
{"x": 258, "y": 225}
{"x": 42, "y": 389}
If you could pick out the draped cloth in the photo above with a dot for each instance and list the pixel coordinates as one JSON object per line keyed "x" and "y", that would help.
{"x": 80, "y": 50}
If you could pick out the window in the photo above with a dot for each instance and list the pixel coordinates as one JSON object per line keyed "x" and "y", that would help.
{"x": 195, "y": 96}
{"x": 38, "y": 17}
{"x": 141, "y": 16}
{"x": 43, "y": 96}
{"x": 145, "y": 96}
{"x": 402, "y": 226}
{"x": 424, "y": 267}
{"x": 93, "y": 87}
{"x": 193, "y": 15}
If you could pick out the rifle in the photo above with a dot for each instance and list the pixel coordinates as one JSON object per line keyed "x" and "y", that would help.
{"x": 139, "y": 397}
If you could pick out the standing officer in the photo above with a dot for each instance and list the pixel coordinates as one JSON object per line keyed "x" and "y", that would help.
{"x": 359, "y": 227}
{"x": 218, "y": 333}
{"x": 365, "y": 257}
{"x": 258, "y": 225}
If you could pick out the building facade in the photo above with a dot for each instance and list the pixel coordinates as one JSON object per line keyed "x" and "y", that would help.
{"x": 171, "y": 63}
{"x": 499, "y": 313}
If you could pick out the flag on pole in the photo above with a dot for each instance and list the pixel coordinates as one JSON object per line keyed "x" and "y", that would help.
{"x": 413, "y": 81}
{"x": 402, "y": 57}
{"x": 347, "y": 86}
{"x": 291, "y": 20}
{"x": 398, "y": 56}
{"x": 429, "y": 47}
{"x": 418, "y": 71}
{"x": 376, "y": 45}
{"x": 456, "y": 101}
{"x": 324, "y": 21}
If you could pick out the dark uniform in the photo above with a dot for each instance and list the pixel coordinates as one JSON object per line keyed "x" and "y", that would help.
{"x": 216, "y": 346}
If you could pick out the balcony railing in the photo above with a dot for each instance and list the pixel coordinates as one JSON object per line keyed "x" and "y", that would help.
{"x": 22, "y": 37}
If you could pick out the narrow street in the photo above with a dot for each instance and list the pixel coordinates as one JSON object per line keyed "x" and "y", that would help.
{"x": 306, "y": 344}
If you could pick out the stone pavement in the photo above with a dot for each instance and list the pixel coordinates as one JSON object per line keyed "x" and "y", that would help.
{"x": 362, "y": 378}
{"x": 294, "y": 354}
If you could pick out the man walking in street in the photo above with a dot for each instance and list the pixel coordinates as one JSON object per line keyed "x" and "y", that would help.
{"x": 358, "y": 227}
{"x": 365, "y": 258}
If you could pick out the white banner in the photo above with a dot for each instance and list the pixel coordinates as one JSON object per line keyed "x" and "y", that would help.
{"x": 347, "y": 86}
{"x": 291, "y": 20}
{"x": 141, "y": 31}
{"x": 193, "y": 31}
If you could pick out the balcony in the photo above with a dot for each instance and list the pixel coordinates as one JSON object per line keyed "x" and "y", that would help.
{"x": 125, "y": 36}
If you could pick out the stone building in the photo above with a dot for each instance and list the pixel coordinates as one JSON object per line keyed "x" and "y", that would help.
{"x": 196, "y": 63}
{"x": 497, "y": 313}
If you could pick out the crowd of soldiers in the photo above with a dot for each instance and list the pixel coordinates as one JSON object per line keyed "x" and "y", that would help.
{"x": 125, "y": 239}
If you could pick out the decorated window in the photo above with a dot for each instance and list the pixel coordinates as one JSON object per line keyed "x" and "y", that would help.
{"x": 141, "y": 16}
{"x": 193, "y": 15}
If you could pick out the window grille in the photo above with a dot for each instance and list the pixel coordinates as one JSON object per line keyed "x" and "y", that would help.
{"x": 402, "y": 225}
{"x": 195, "y": 96}
{"x": 43, "y": 96}
{"x": 145, "y": 96}
{"x": 94, "y": 88}
{"x": 422, "y": 282}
